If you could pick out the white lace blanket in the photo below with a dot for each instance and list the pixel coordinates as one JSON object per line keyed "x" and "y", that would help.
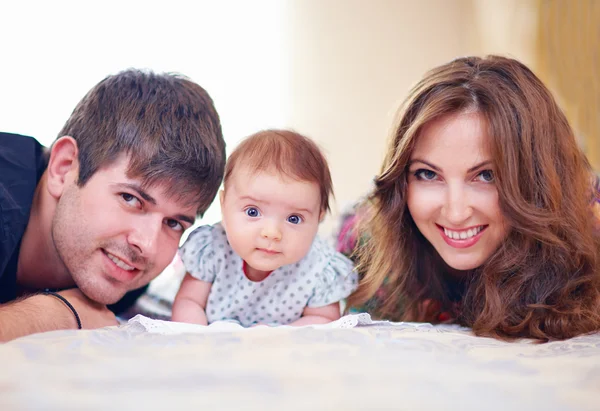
{"x": 153, "y": 365}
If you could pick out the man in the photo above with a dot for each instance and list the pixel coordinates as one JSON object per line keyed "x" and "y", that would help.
{"x": 101, "y": 213}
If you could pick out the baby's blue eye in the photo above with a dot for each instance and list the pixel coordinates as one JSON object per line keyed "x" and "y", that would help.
{"x": 294, "y": 219}
{"x": 252, "y": 212}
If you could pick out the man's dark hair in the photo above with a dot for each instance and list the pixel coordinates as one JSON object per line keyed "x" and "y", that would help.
{"x": 166, "y": 124}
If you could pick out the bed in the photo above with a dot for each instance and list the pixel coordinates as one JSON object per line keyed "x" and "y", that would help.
{"x": 352, "y": 364}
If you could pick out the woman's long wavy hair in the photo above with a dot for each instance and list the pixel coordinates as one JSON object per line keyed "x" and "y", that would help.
{"x": 543, "y": 281}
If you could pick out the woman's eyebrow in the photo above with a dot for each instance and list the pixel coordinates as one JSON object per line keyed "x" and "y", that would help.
{"x": 483, "y": 163}
{"x": 416, "y": 160}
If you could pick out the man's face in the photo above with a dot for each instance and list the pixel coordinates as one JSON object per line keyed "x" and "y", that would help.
{"x": 112, "y": 235}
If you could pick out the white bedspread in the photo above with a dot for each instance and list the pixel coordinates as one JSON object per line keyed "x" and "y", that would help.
{"x": 153, "y": 365}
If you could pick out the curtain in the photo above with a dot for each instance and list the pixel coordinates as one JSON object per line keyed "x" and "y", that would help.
{"x": 568, "y": 60}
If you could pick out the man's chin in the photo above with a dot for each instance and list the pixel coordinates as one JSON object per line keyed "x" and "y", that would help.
{"x": 104, "y": 297}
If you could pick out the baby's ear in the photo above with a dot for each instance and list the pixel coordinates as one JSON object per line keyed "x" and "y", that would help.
{"x": 222, "y": 201}
{"x": 322, "y": 216}
{"x": 221, "y": 198}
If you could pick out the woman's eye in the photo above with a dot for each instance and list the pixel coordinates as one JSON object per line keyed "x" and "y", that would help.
{"x": 131, "y": 200}
{"x": 252, "y": 212}
{"x": 424, "y": 174}
{"x": 486, "y": 176}
{"x": 294, "y": 219}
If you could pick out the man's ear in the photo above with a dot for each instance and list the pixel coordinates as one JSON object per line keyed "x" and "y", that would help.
{"x": 63, "y": 166}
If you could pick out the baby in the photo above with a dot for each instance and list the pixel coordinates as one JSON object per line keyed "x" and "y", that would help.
{"x": 263, "y": 264}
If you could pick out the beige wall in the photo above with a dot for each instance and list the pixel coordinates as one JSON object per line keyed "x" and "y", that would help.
{"x": 506, "y": 27}
{"x": 351, "y": 62}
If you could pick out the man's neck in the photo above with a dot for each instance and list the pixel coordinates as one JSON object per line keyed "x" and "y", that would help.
{"x": 39, "y": 265}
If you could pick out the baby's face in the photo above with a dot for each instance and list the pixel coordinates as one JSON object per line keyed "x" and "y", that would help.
{"x": 271, "y": 220}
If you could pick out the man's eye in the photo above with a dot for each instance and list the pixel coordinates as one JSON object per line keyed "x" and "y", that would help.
{"x": 252, "y": 212}
{"x": 131, "y": 200}
{"x": 424, "y": 174}
{"x": 174, "y": 224}
{"x": 294, "y": 219}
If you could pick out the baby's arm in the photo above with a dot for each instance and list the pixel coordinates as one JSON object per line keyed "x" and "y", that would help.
{"x": 190, "y": 301}
{"x": 319, "y": 315}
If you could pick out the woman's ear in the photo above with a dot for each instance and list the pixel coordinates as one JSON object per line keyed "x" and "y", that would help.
{"x": 63, "y": 166}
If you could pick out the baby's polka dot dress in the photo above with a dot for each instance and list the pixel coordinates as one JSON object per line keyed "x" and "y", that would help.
{"x": 324, "y": 276}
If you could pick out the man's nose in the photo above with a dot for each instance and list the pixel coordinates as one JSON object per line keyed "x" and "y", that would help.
{"x": 144, "y": 234}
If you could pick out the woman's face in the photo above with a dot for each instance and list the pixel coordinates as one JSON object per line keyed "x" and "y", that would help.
{"x": 452, "y": 196}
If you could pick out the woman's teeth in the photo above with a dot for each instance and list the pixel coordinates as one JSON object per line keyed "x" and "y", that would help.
{"x": 462, "y": 235}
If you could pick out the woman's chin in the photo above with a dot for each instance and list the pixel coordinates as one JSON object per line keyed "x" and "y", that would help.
{"x": 460, "y": 263}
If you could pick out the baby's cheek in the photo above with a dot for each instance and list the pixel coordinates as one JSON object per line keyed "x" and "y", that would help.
{"x": 302, "y": 248}
{"x": 239, "y": 242}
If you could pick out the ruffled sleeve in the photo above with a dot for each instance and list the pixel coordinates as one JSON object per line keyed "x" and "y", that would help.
{"x": 199, "y": 254}
{"x": 336, "y": 280}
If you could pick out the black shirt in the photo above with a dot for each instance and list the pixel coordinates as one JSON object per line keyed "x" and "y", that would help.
{"x": 22, "y": 162}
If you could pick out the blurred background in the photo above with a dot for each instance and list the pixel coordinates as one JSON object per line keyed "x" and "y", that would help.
{"x": 335, "y": 70}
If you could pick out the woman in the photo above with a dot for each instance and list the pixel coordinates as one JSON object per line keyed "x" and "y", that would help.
{"x": 483, "y": 211}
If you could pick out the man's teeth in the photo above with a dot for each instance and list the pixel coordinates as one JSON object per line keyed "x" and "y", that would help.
{"x": 120, "y": 263}
{"x": 462, "y": 235}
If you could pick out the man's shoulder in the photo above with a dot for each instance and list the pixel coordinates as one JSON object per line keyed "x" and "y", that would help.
{"x": 14, "y": 139}
{"x": 22, "y": 159}
{"x": 20, "y": 149}
{"x": 22, "y": 162}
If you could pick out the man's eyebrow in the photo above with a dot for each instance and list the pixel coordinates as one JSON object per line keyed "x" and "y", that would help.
{"x": 186, "y": 218}
{"x": 138, "y": 189}
{"x": 147, "y": 197}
